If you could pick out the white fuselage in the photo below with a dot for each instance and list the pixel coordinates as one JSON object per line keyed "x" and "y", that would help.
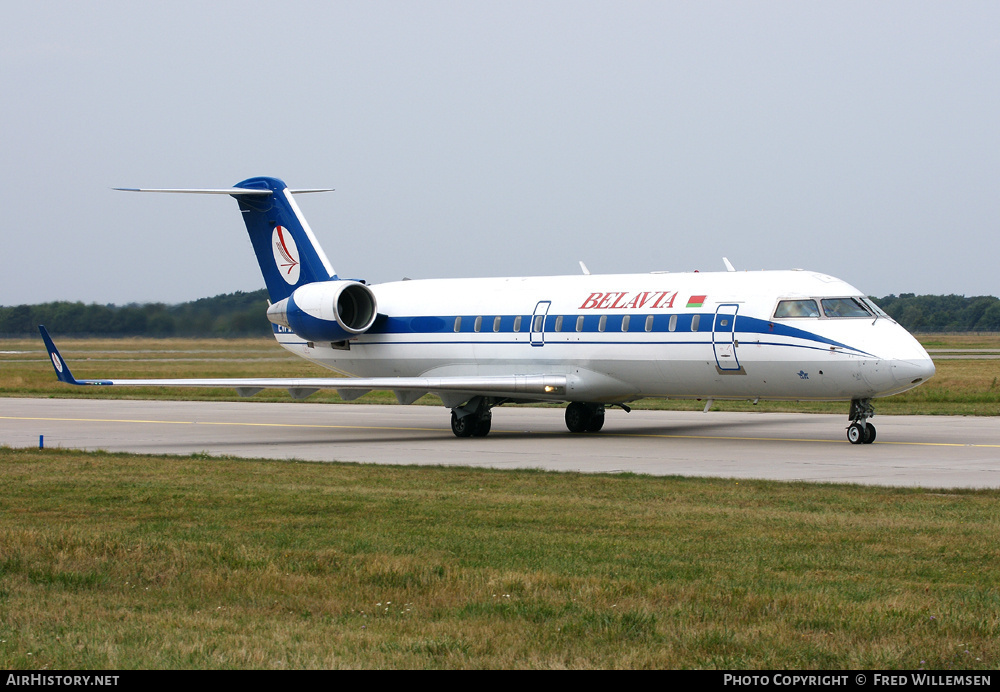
{"x": 629, "y": 336}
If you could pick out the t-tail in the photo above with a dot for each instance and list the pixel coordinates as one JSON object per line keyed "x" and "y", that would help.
{"x": 307, "y": 297}
{"x": 286, "y": 248}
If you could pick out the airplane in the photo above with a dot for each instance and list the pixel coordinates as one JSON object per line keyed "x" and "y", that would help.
{"x": 593, "y": 340}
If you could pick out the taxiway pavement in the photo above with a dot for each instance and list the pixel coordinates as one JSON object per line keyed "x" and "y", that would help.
{"x": 927, "y": 451}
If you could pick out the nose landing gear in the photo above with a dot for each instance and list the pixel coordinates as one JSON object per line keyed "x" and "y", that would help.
{"x": 860, "y": 431}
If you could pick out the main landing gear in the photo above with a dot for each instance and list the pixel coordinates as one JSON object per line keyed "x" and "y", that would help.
{"x": 860, "y": 431}
{"x": 581, "y": 417}
{"x": 475, "y": 418}
{"x": 472, "y": 420}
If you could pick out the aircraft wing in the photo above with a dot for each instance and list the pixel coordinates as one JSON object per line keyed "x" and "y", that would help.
{"x": 407, "y": 389}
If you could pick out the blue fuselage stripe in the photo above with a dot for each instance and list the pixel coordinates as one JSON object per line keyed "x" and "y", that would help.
{"x": 745, "y": 328}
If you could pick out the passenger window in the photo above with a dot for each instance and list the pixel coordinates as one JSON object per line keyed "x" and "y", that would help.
{"x": 579, "y": 323}
{"x": 458, "y": 323}
{"x": 517, "y": 323}
{"x": 649, "y": 323}
{"x": 672, "y": 325}
{"x": 496, "y": 323}
{"x": 844, "y": 307}
{"x": 559, "y": 321}
{"x": 603, "y": 323}
{"x": 625, "y": 321}
{"x": 695, "y": 321}
{"x": 796, "y": 308}
{"x": 479, "y": 323}
{"x": 537, "y": 323}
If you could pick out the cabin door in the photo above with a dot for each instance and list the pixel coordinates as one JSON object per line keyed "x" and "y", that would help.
{"x": 724, "y": 337}
{"x": 537, "y": 334}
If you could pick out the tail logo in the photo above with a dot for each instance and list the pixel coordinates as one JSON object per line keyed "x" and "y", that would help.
{"x": 286, "y": 255}
{"x": 57, "y": 361}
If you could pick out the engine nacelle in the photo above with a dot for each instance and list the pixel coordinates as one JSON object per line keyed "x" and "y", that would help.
{"x": 327, "y": 310}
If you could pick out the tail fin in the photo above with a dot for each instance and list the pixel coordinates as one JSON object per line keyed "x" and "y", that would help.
{"x": 286, "y": 248}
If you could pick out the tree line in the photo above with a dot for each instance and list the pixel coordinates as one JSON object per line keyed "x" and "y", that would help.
{"x": 227, "y": 315}
{"x": 943, "y": 313}
{"x": 242, "y": 314}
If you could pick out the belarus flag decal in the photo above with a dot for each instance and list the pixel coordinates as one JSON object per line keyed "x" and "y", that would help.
{"x": 696, "y": 301}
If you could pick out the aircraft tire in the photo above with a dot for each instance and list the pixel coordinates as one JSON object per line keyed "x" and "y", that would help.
{"x": 483, "y": 425}
{"x": 464, "y": 426}
{"x": 596, "y": 422}
{"x": 581, "y": 417}
{"x": 577, "y": 417}
{"x": 856, "y": 434}
{"x": 869, "y": 436}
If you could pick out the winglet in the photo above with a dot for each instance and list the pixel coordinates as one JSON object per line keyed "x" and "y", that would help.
{"x": 62, "y": 370}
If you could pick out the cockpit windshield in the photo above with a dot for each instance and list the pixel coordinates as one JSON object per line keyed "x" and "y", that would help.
{"x": 797, "y": 308}
{"x": 876, "y": 310}
{"x": 844, "y": 307}
{"x": 851, "y": 306}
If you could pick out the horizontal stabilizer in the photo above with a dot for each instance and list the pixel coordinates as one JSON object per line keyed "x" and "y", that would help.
{"x": 217, "y": 191}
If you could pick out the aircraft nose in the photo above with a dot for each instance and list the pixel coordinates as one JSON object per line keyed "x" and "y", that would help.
{"x": 910, "y": 363}
{"x": 912, "y": 371}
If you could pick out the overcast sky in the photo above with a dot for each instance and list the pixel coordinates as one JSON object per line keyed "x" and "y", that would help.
{"x": 475, "y": 138}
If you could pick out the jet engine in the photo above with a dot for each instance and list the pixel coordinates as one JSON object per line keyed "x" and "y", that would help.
{"x": 326, "y": 310}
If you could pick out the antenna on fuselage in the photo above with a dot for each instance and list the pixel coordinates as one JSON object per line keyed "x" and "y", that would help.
{"x": 583, "y": 268}
{"x": 729, "y": 265}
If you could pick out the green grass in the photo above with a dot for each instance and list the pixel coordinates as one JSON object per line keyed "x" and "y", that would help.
{"x": 960, "y": 387}
{"x": 121, "y": 562}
